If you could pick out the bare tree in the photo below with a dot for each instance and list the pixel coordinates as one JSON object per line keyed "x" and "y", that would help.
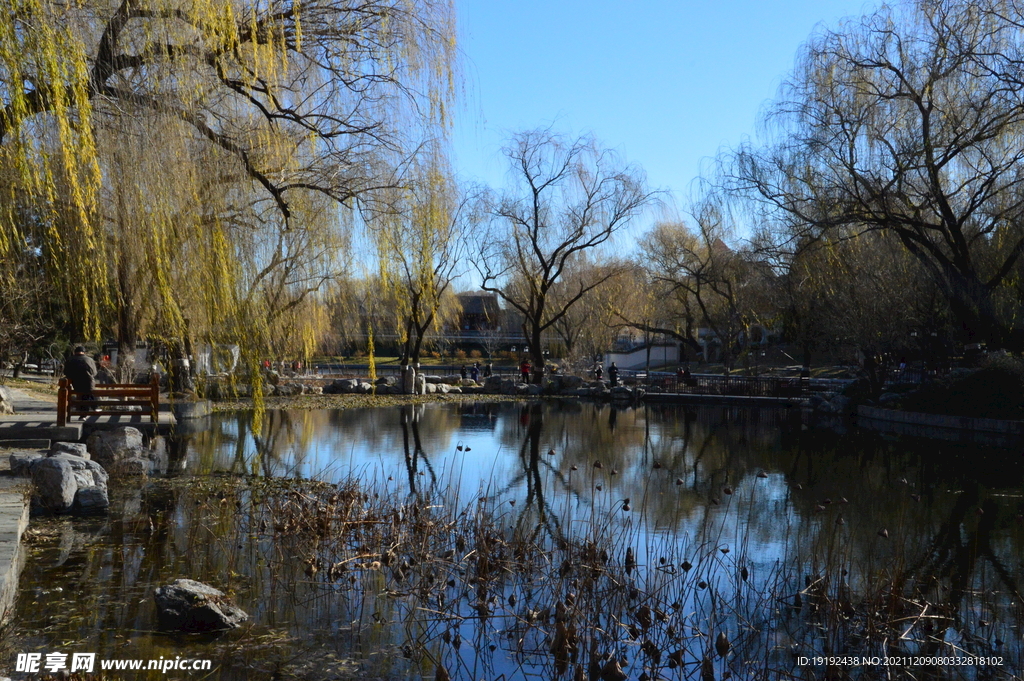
{"x": 173, "y": 151}
{"x": 909, "y": 122}
{"x": 645, "y": 300}
{"x": 586, "y": 328}
{"x": 421, "y": 243}
{"x": 568, "y": 197}
{"x": 698, "y": 265}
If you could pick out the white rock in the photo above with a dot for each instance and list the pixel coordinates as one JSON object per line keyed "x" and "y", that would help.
{"x": 6, "y": 401}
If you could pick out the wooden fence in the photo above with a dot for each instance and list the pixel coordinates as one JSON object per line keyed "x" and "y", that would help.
{"x": 118, "y": 399}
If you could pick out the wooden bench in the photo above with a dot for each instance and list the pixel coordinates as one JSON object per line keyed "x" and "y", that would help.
{"x": 117, "y": 399}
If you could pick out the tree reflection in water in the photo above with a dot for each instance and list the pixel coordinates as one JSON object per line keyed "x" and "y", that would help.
{"x": 801, "y": 515}
{"x": 414, "y": 455}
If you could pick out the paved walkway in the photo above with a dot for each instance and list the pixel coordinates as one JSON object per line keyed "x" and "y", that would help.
{"x": 28, "y": 403}
{"x": 14, "y": 503}
{"x": 34, "y": 423}
{"x": 14, "y": 498}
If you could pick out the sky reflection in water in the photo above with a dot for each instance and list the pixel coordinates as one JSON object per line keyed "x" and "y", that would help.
{"x": 749, "y": 487}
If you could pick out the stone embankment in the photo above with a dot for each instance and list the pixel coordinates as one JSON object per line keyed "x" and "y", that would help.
{"x": 561, "y": 385}
{"x": 14, "y": 510}
{"x": 979, "y": 431}
{"x": 836, "y": 411}
{"x": 67, "y": 478}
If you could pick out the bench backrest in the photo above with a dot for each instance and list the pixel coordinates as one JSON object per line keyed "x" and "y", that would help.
{"x": 109, "y": 399}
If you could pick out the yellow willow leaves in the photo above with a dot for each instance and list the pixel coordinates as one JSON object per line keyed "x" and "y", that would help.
{"x": 60, "y": 168}
{"x": 418, "y": 243}
{"x": 154, "y": 134}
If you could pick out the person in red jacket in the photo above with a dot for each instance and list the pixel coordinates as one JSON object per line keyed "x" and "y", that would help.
{"x": 525, "y": 369}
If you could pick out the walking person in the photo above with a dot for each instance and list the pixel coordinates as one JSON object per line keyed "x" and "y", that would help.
{"x": 474, "y": 371}
{"x": 613, "y": 375}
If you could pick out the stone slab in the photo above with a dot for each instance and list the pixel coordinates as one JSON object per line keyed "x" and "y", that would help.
{"x": 14, "y": 510}
{"x": 25, "y": 444}
{"x": 38, "y": 427}
{"x": 43, "y": 425}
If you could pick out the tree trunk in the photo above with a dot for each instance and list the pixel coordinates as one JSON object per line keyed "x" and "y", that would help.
{"x": 537, "y": 355}
{"x": 180, "y": 379}
{"x": 127, "y": 319}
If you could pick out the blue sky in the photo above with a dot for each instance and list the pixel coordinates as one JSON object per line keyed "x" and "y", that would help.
{"x": 666, "y": 83}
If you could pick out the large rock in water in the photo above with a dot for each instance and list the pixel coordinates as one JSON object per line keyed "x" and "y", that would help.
{"x": 87, "y": 473}
{"x": 112, "y": 446}
{"x": 191, "y": 606}
{"x": 191, "y": 409}
{"x": 135, "y": 466}
{"x": 65, "y": 482}
{"x": 90, "y": 500}
{"x": 55, "y": 483}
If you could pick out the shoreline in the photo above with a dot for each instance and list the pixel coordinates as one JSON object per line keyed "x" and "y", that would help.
{"x": 358, "y": 401}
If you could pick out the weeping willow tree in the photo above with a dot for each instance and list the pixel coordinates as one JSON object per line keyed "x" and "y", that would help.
{"x": 908, "y": 122}
{"x": 186, "y": 169}
{"x": 421, "y": 241}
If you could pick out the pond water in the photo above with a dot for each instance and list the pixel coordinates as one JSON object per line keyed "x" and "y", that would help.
{"x": 734, "y": 523}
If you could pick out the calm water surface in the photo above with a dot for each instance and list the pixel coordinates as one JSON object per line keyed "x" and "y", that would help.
{"x": 738, "y": 489}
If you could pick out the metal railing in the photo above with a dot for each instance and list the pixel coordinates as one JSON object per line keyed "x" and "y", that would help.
{"x": 747, "y": 386}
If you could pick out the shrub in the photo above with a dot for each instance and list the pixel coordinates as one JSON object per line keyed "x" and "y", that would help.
{"x": 995, "y": 391}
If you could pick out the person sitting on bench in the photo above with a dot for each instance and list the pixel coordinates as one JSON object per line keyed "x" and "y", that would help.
{"x": 81, "y": 371}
